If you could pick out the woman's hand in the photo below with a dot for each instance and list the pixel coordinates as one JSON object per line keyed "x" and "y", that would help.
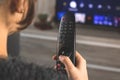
{"x": 78, "y": 72}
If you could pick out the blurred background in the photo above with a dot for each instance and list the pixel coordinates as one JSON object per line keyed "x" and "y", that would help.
{"x": 98, "y": 35}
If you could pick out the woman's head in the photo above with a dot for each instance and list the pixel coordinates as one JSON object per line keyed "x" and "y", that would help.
{"x": 16, "y": 14}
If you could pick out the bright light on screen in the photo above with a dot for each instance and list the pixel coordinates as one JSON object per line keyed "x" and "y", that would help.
{"x": 80, "y": 17}
{"x": 106, "y": 11}
{"x": 73, "y": 4}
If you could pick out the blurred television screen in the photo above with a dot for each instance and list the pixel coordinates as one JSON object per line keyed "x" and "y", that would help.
{"x": 95, "y": 12}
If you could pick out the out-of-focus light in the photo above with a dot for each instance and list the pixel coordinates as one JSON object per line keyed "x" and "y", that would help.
{"x": 64, "y": 4}
{"x": 80, "y": 17}
{"x": 82, "y": 5}
{"x": 73, "y": 4}
{"x": 89, "y": 18}
{"x": 116, "y": 21}
{"x": 99, "y": 6}
{"x": 118, "y": 8}
{"x": 90, "y": 5}
{"x": 96, "y": 18}
{"x": 100, "y": 22}
{"x": 95, "y": 22}
{"x": 106, "y": 22}
{"x": 59, "y": 15}
{"x": 110, "y": 23}
{"x": 109, "y": 7}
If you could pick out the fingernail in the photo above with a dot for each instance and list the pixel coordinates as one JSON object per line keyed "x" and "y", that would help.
{"x": 61, "y": 58}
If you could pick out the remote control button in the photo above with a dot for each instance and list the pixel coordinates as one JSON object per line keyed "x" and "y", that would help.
{"x": 70, "y": 25}
{"x": 58, "y": 65}
{"x": 65, "y": 28}
{"x": 70, "y": 22}
{"x": 70, "y": 28}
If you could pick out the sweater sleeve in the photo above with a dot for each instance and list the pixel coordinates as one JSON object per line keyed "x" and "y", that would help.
{"x": 16, "y": 69}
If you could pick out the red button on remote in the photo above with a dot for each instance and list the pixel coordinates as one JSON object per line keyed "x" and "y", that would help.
{"x": 58, "y": 65}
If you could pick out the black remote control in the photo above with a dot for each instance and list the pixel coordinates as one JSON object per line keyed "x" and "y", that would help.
{"x": 66, "y": 39}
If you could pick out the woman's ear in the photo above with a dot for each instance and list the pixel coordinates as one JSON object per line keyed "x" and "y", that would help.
{"x": 17, "y": 6}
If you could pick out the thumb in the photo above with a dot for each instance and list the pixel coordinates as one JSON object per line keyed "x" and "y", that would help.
{"x": 67, "y": 62}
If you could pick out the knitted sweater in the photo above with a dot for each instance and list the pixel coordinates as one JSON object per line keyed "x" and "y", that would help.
{"x": 16, "y": 69}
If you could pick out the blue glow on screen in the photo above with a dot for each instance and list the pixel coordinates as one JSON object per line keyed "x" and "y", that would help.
{"x": 103, "y": 12}
{"x": 103, "y": 20}
{"x": 60, "y": 14}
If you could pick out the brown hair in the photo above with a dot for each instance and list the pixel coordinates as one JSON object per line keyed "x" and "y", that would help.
{"x": 28, "y": 16}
